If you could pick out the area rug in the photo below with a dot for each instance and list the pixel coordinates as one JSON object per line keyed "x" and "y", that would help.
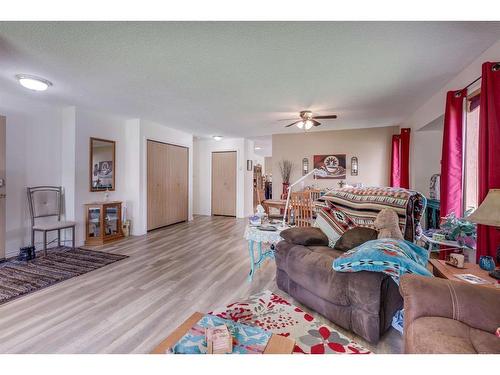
{"x": 18, "y": 278}
{"x": 275, "y": 314}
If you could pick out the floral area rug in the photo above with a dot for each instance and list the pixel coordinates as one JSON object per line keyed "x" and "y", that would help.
{"x": 275, "y": 314}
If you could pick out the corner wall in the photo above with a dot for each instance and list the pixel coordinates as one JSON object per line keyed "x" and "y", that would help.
{"x": 49, "y": 145}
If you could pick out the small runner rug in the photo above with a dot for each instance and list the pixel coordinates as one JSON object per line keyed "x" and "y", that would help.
{"x": 275, "y": 314}
{"x": 19, "y": 278}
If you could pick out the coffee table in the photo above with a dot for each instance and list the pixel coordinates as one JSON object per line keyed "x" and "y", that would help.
{"x": 277, "y": 344}
{"x": 445, "y": 271}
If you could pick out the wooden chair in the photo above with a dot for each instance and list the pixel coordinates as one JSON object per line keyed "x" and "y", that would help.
{"x": 46, "y": 201}
{"x": 301, "y": 205}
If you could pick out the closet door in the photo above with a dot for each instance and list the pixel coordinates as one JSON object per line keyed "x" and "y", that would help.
{"x": 224, "y": 183}
{"x": 167, "y": 184}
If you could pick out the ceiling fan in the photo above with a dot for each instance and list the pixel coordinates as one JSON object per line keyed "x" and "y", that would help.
{"x": 307, "y": 120}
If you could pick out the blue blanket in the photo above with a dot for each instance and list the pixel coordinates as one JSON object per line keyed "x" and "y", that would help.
{"x": 387, "y": 255}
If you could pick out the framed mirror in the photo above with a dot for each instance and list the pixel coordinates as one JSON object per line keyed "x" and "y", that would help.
{"x": 102, "y": 165}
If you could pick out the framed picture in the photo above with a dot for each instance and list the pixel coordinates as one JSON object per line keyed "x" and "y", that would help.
{"x": 333, "y": 165}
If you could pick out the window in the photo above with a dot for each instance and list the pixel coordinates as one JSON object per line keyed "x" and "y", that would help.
{"x": 471, "y": 144}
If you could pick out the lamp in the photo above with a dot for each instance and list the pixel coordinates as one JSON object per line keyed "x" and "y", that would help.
{"x": 488, "y": 213}
{"x": 316, "y": 172}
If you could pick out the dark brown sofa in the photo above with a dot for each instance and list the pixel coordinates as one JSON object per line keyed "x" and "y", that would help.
{"x": 444, "y": 316}
{"x": 363, "y": 302}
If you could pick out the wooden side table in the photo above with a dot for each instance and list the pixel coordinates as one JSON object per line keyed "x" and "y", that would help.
{"x": 440, "y": 269}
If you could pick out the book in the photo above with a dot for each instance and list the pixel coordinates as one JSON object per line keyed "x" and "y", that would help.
{"x": 219, "y": 340}
{"x": 472, "y": 279}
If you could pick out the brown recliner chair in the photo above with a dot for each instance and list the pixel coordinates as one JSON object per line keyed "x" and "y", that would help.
{"x": 445, "y": 316}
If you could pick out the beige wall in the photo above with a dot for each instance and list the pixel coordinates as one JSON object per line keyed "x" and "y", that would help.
{"x": 372, "y": 147}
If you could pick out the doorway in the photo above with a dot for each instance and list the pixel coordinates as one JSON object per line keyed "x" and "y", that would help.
{"x": 167, "y": 184}
{"x": 224, "y": 167}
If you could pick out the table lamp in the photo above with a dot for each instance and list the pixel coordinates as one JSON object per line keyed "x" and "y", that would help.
{"x": 488, "y": 213}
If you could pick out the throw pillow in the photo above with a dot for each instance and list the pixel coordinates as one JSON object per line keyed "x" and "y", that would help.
{"x": 355, "y": 237}
{"x": 306, "y": 236}
{"x": 333, "y": 222}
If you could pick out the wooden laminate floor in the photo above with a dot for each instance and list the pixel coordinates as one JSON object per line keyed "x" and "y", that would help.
{"x": 132, "y": 305}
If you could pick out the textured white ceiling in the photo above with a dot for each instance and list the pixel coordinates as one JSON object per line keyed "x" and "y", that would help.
{"x": 239, "y": 78}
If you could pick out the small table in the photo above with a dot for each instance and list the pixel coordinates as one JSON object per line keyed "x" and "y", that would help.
{"x": 448, "y": 246}
{"x": 255, "y": 235}
{"x": 445, "y": 271}
{"x": 277, "y": 344}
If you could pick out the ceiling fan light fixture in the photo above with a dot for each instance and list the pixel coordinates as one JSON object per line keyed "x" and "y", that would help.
{"x": 300, "y": 124}
{"x": 308, "y": 124}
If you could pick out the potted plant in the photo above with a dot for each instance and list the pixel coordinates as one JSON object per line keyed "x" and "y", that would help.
{"x": 460, "y": 229}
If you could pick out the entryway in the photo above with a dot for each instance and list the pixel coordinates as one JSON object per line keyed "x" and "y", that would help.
{"x": 224, "y": 169}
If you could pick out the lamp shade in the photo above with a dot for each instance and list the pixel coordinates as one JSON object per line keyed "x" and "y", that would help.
{"x": 488, "y": 212}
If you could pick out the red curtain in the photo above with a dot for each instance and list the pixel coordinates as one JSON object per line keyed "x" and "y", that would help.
{"x": 405, "y": 158}
{"x": 395, "y": 165}
{"x": 488, "y": 238}
{"x": 452, "y": 155}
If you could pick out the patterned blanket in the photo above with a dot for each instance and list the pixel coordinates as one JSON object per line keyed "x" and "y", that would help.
{"x": 362, "y": 205}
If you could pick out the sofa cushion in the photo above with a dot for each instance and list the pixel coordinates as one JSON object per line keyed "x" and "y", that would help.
{"x": 333, "y": 222}
{"x": 305, "y": 236}
{"x": 442, "y": 335}
{"x": 432, "y": 335}
{"x": 355, "y": 237}
{"x": 328, "y": 251}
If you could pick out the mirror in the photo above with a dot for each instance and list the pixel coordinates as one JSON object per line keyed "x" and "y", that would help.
{"x": 102, "y": 165}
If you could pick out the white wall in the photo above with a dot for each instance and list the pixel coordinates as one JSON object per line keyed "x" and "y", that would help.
{"x": 33, "y": 157}
{"x": 425, "y": 156}
{"x": 93, "y": 124}
{"x": 425, "y": 148}
{"x": 47, "y": 145}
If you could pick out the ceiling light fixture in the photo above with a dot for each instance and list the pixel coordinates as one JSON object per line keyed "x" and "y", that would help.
{"x": 217, "y": 137}
{"x": 300, "y": 124}
{"x": 308, "y": 124}
{"x": 258, "y": 148}
{"x": 33, "y": 83}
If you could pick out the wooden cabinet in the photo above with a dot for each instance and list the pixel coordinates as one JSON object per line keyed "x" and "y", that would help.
{"x": 103, "y": 222}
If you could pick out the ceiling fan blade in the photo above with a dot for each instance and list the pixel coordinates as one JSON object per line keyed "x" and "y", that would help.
{"x": 293, "y": 123}
{"x": 316, "y": 123}
{"x": 325, "y": 117}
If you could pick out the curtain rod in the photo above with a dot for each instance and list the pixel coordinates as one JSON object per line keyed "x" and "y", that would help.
{"x": 470, "y": 84}
{"x": 494, "y": 68}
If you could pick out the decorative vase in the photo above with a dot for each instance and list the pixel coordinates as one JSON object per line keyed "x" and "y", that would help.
{"x": 284, "y": 193}
{"x": 486, "y": 263}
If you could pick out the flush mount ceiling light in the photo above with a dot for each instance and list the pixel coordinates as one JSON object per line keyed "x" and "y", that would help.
{"x": 33, "y": 83}
{"x": 217, "y": 137}
{"x": 258, "y": 148}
